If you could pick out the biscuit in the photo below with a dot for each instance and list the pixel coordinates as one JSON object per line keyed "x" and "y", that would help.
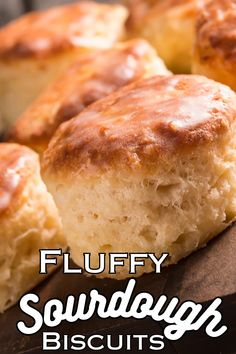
{"x": 215, "y": 44}
{"x": 29, "y": 221}
{"x": 91, "y": 78}
{"x": 39, "y": 46}
{"x": 149, "y": 168}
{"x": 169, "y": 26}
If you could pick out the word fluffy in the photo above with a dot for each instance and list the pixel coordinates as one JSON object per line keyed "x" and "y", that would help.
{"x": 114, "y": 260}
{"x": 179, "y": 318}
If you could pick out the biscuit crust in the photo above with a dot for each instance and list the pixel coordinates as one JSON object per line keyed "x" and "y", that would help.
{"x": 149, "y": 119}
{"x": 43, "y": 33}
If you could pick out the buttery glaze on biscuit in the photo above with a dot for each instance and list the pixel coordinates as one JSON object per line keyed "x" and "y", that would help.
{"x": 86, "y": 24}
{"x": 144, "y": 120}
{"x": 91, "y": 78}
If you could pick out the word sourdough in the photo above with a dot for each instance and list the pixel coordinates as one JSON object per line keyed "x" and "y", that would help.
{"x": 179, "y": 318}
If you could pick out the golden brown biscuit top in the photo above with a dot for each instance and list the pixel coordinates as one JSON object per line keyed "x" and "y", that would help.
{"x": 216, "y": 29}
{"x": 142, "y": 122}
{"x": 16, "y": 164}
{"x": 91, "y": 78}
{"x": 85, "y": 24}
